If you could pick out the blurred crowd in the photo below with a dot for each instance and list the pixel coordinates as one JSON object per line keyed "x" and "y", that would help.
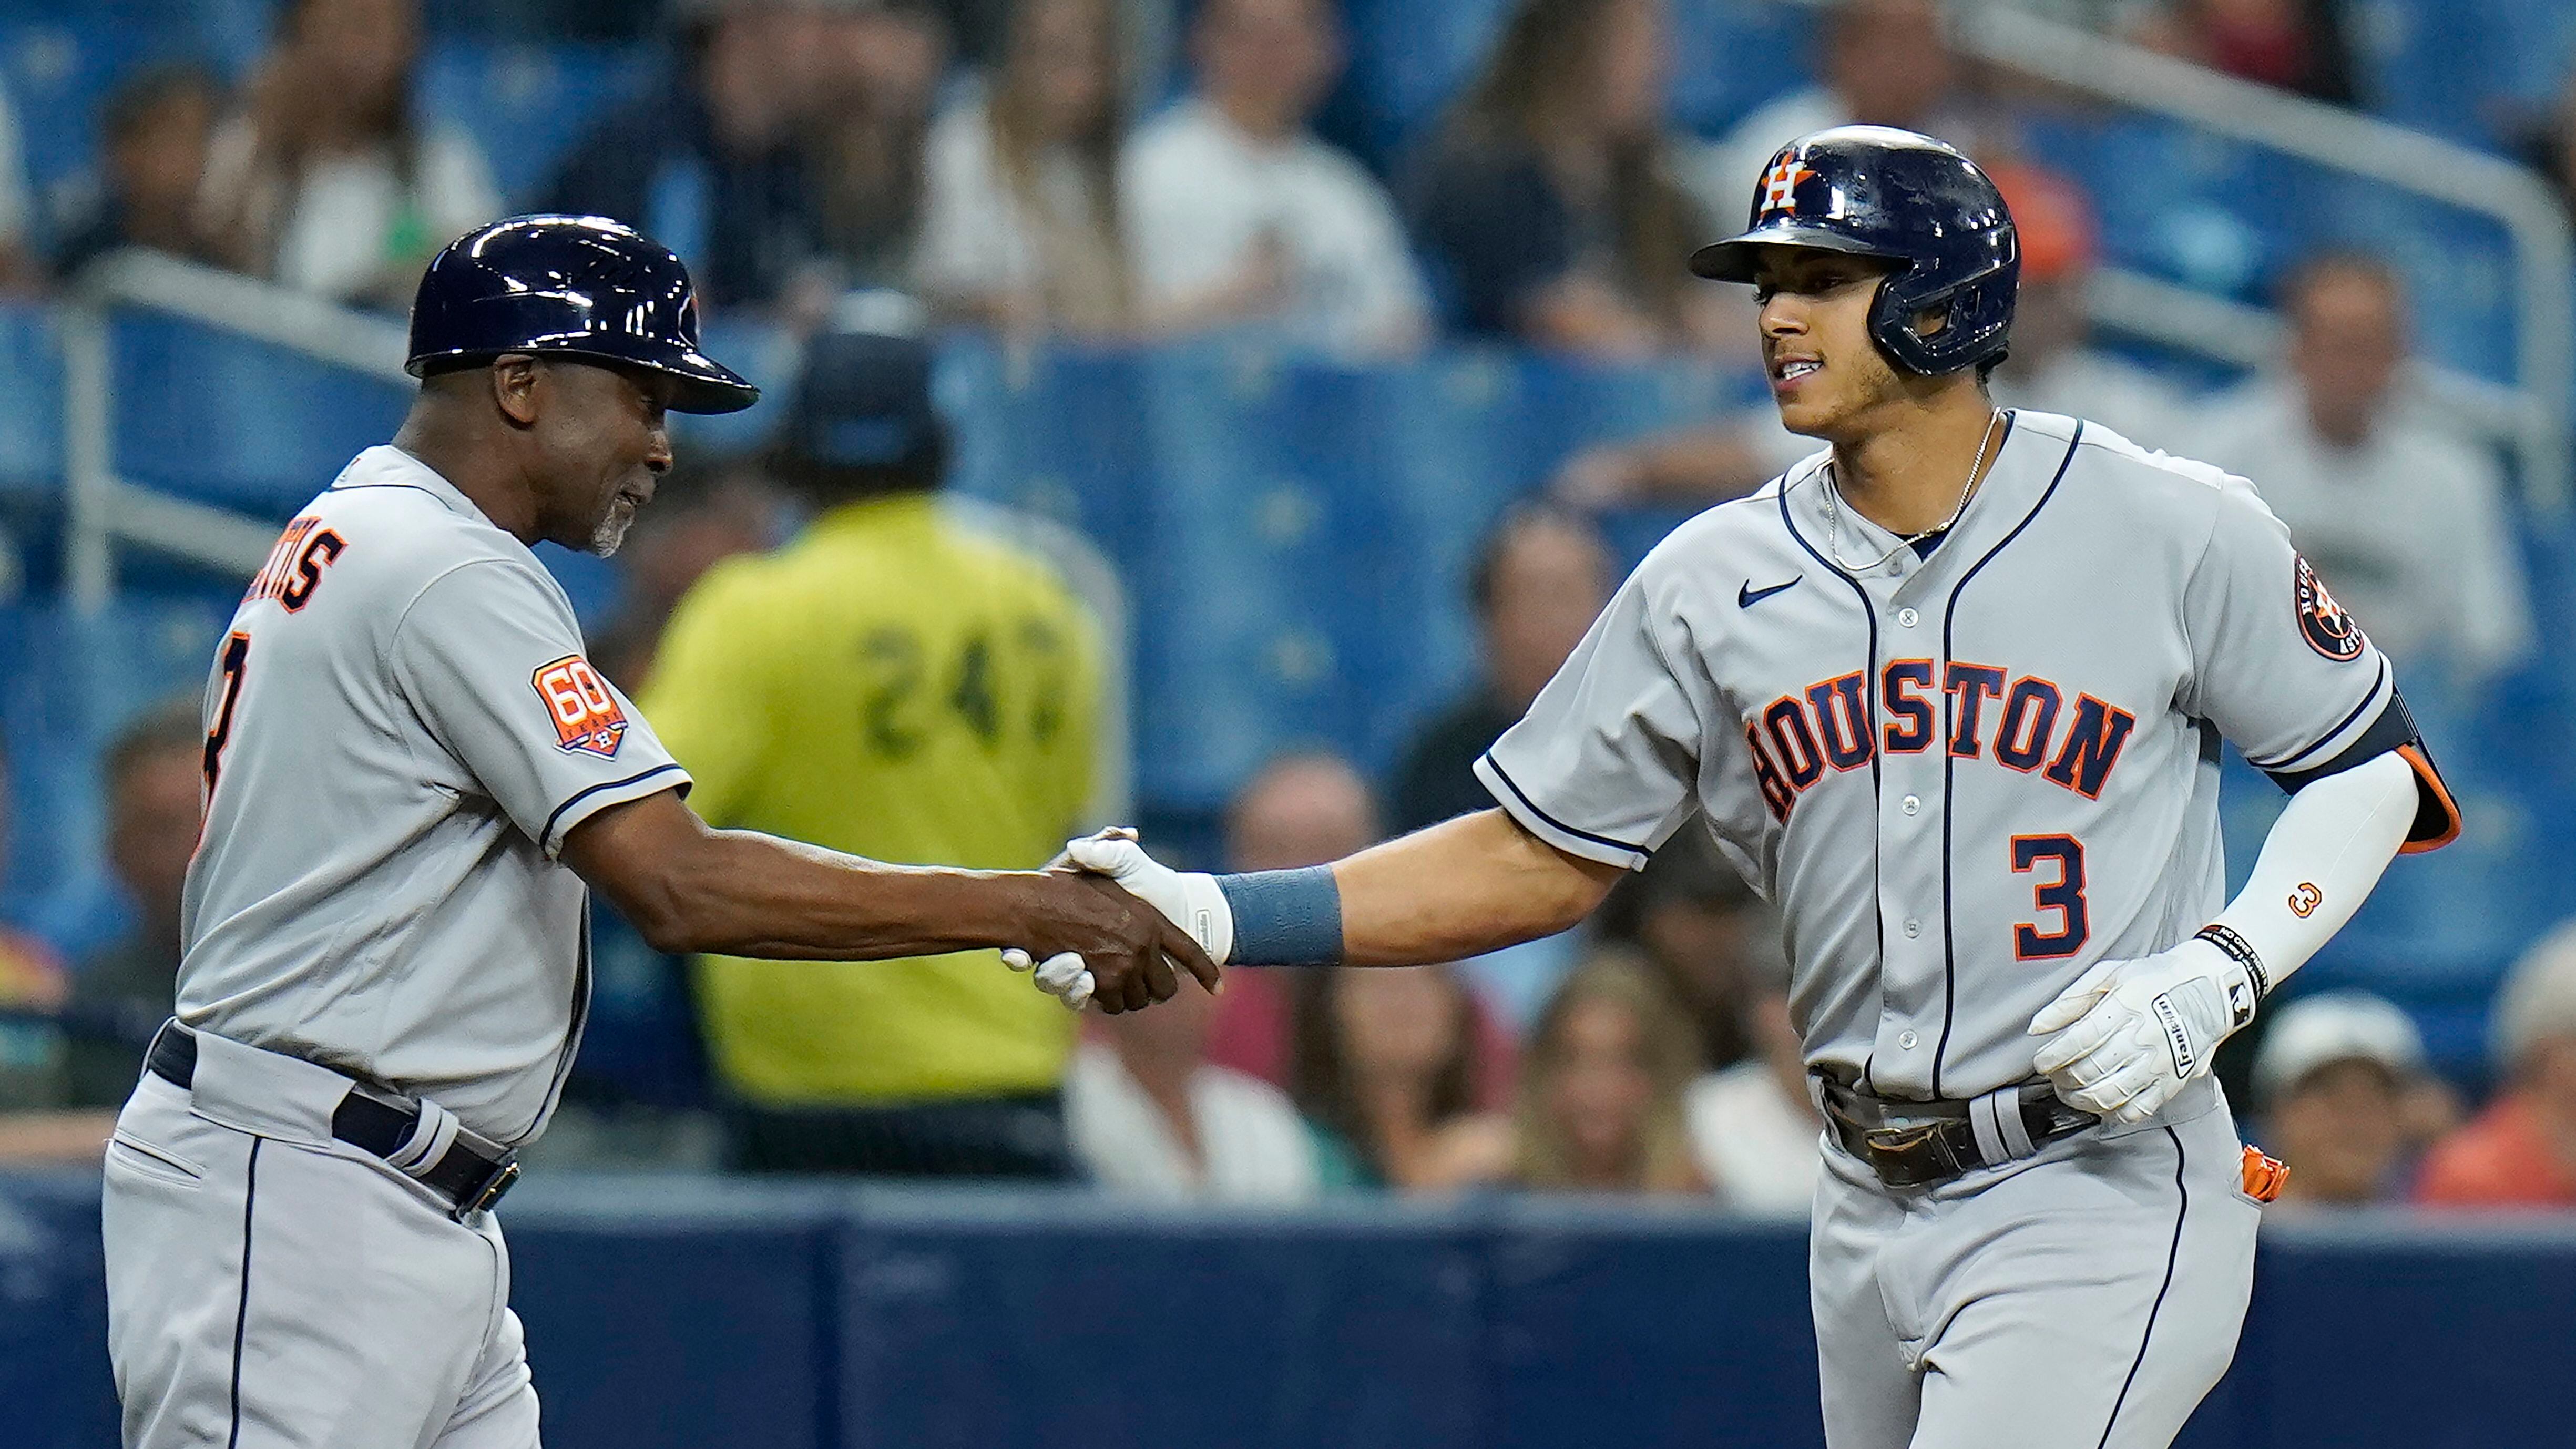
{"x": 1115, "y": 170}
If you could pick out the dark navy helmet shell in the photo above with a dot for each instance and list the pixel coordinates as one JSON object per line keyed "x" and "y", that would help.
{"x": 583, "y": 285}
{"x": 1877, "y": 191}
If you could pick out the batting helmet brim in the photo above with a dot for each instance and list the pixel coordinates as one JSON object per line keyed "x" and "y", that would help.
{"x": 1732, "y": 259}
{"x": 705, "y": 385}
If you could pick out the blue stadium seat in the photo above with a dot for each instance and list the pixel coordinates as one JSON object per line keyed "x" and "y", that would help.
{"x": 528, "y": 104}
{"x": 31, "y": 377}
{"x": 218, "y": 418}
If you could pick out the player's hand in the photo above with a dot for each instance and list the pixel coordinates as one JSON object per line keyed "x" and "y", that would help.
{"x": 1189, "y": 899}
{"x": 1093, "y": 942}
{"x": 2128, "y": 1035}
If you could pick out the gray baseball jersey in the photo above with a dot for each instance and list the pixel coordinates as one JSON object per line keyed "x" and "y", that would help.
{"x": 400, "y": 730}
{"x": 1964, "y": 776}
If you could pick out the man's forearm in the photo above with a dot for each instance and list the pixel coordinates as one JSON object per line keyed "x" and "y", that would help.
{"x": 2320, "y": 861}
{"x": 1461, "y": 888}
{"x": 759, "y": 895}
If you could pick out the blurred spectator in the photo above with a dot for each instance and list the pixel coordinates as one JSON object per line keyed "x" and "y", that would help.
{"x": 703, "y": 512}
{"x": 1387, "y": 1065}
{"x": 1754, "y": 1129}
{"x": 1539, "y": 579}
{"x": 710, "y": 165}
{"x": 2521, "y": 1151}
{"x": 2053, "y": 367}
{"x": 324, "y": 181}
{"x": 894, "y": 684}
{"x": 121, "y": 995}
{"x": 877, "y": 75}
{"x": 1303, "y": 808}
{"x": 155, "y": 131}
{"x": 20, "y": 268}
{"x": 1880, "y": 62}
{"x": 1701, "y": 930}
{"x": 2332, "y": 1083}
{"x": 2403, "y": 518}
{"x": 2294, "y": 45}
{"x": 1021, "y": 219}
{"x": 2549, "y": 143}
{"x": 1236, "y": 213}
{"x": 1601, "y": 1102}
{"x": 1149, "y": 1115}
{"x": 1550, "y": 195}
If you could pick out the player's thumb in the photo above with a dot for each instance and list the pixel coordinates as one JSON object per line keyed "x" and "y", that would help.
{"x": 1116, "y": 859}
{"x": 2073, "y": 1002}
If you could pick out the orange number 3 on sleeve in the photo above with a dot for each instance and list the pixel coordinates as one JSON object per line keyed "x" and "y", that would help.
{"x": 586, "y": 715}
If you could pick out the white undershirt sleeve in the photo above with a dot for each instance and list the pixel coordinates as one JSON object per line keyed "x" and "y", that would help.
{"x": 2320, "y": 861}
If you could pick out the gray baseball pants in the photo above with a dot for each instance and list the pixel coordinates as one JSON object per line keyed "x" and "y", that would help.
{"x": 2086, "y": 1297}
{"x": 269, "y": 1286}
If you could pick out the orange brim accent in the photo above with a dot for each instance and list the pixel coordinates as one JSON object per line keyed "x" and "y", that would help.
{"x": 2431, "y": 779}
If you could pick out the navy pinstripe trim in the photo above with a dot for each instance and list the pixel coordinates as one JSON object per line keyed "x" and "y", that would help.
{"x": 2395, "y": 726}
{"x": 241, "y": 1312}
{"x": 2340, "y": 725}
{"x": 414, "y": 487}
{"x": 1523, "y": 796}
{"x": 1950, "y": 762}
{"x": 2172, "y": 1254}
{"x": 549, "y": 832}
{"x": 1869, "y": 672}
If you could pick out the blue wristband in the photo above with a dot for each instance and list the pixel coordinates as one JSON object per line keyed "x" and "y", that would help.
{"x": 1285, "y": 917}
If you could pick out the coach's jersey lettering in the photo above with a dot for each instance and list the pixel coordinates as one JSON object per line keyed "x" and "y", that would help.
{"x": 587, "y": 717}
{"x": 295, "y": 563}
{"x": 231, "y": 666}
{"x": 2064, "y": 895}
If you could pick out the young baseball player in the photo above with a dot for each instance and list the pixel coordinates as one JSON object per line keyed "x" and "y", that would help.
{"x": 411, "y": 772}
{"x": 1950, "y": 693}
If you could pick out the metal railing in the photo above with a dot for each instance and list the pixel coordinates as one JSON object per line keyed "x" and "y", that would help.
{"x": 2530, "y": 415}
{"x": 106, "y": 511}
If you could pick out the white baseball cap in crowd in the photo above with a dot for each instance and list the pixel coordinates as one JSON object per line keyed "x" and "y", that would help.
{"x": 2335, "y": 1026}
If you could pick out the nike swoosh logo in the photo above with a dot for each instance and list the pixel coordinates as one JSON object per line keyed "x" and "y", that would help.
{"x": 1748, "y": 596}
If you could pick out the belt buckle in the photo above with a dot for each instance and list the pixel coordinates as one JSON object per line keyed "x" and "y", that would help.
{"x": 1899, "y": 1143}
{"x": 495, "y": 1185}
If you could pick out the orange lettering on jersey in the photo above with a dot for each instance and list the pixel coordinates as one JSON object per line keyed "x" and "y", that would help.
{"x": 295, "y": 564}
{"x": 2305, "y": 900}
{"x": 586, "y": 715}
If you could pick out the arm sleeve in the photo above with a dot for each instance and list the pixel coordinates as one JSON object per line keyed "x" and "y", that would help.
{"x": 490, "y": 659}
{"x": 708, "y": 699}
{"x": 1605, "y": 763}
{"x": 2288, "y": 676}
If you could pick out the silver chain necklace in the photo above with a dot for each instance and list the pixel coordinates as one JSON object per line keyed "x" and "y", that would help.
{"x": 1834, "y": 513}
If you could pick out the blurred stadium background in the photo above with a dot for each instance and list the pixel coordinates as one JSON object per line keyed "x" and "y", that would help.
{"x": 1281, "y": 523}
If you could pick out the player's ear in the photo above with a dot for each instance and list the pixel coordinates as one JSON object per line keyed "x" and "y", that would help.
{"x": 515, "y": 381}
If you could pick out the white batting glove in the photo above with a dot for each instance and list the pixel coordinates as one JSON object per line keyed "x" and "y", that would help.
{"x": 2128, "y": 1035}
{"x": 1064, "y": 976}
{"x": 1188, "y": 899}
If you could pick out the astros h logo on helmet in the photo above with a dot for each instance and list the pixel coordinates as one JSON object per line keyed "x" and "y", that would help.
{"x": 1780, "y": 184}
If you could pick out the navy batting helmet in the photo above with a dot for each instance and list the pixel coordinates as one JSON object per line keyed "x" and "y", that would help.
{"x": 1876, "y": 191}
{"x": 582, "y": 285}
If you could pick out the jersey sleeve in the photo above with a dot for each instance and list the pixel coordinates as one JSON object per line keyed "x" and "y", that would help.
{"x": 492, "y": 663}
{"x": 1605, "y": 763}
{"x": 2286, "y": 674}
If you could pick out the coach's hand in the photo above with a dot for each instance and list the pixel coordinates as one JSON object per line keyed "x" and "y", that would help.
{"x": 1188, "y": 899}
{"x": 2129, "y": 1034}
{"x": 1096, "y": 942}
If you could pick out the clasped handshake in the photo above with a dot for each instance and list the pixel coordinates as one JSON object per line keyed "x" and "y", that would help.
{"x": 1191, "y": 929}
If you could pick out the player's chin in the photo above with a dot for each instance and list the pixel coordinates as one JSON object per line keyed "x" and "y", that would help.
{"x": 609, "y": 534}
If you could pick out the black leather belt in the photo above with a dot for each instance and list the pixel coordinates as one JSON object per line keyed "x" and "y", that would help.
{"x": 469, "y": 1178}
{"x": 1924, "y": 1144}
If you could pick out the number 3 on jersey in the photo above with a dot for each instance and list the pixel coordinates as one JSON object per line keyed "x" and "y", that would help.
{"x": 2064, "y": 895}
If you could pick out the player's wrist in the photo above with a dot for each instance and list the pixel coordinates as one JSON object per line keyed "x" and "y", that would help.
{"x": 1284, "y": 917}
{"x": 2242, "y": 976}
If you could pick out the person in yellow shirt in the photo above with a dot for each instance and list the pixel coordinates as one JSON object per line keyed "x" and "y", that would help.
{"x": 899, "y": 684}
